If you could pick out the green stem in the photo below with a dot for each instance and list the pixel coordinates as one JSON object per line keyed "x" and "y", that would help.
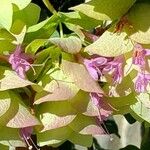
{"x": 49, "y": 6}
{"x": 61, "y": 30}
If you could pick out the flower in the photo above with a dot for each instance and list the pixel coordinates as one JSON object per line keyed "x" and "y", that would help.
{"x": 95, "y": 66}
{"x": 104, "y": 109}
{"x": 20, "y": 62}
{"x": 116, "y": 68}
{"x": 25, "y": 134}
{"x": 139, "y": 56}
{"x": 141, "y": 82}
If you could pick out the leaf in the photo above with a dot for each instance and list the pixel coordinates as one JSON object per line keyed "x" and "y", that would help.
{"x": 83, "y": 123}
{"x": 10, "y": 80}
{"x": 53, "y": 136}
{"x": 59, "y": 86}
{"x": 122, "y": 101}
{"x": 20, "y": 4}
{"x": 83, "y": 140}
{"x": 33, "y": 47}
{"x": 10, "y": 137}
{"x": 71, "y": 44}
{"x": 52, "y": 121}
{"x": 42, "y": 30}
{"x": 56, "y": 108}
{"x": 8, "y": 107}
{"x": 105, "y": 9}
{"x": 110, "y": 45}
{"x": 139, "y": 19}
{"x": 23, "y": 119}
{"x": 80, "y": 19}
{"x": 7, "y": 9}
{"x": 80, "y": 76}
{"x": 25, "y": 14}
{"x": 140, "y": 111}
{"x": 6, "y": 46}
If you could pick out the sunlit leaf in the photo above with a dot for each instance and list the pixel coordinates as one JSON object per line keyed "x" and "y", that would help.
{"x": 110, "y": 44}
{"x": 80, "y": 76}
{"x": 139, "y": 19}
{"x": 105, "y": 9}
{"x": 71, "y": 44}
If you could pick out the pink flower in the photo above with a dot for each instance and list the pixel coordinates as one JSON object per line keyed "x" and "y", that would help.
{"x": 95, "y": 66}
{"x": 25, "y": 134}
{"x": 104, "y": 109}
{"x": 116, "y": 68}
{"x": 20, "y": 62}
{"x": 141, "y": 82}
{"x": 139, "y": 55}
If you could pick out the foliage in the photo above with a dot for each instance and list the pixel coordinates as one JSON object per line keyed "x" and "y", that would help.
{"x": 65, "y": 72}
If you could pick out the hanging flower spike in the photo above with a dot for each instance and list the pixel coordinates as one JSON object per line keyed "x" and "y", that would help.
{"x": 95, "y": 66}
{"x": 139, "y": 56}
{"x": 116, "y": 67}
{"x": 104, "y": 110}
{"x": 25, "y": 134}
{"x": 20, "y": 62}
{"x": 141, "y": 82}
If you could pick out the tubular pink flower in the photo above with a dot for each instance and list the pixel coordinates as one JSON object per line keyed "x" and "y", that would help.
{"x": 95, "y": 66}
{"x": 25, "y": 134}
{"x": 116, "y": 67}
{"x": 142, "y": 82}
{"x": 20, "y": 62}
{"x": 104, "y": 110}
{"x": 139, "y": 56}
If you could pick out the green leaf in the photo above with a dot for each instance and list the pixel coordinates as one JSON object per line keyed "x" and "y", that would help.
{"x": 53, "y": 136}
{"x": 10, "y": 137}
{"x": 10, "y": 80}
{"x": 35, "y": 45}
{"x": 3, "y": 147}
{"x": 84, "y": 140}
{"x": 80, "y": 76}
{"x": 25, "y": 14}
{"x": 140, "y": 110}
{"x": 71, "y": 44}
{"x": 20, "y": 4}
{"x": 8, "y": 107}
{"x": 139, "y": 19}
{"x": 122, "y": 101}
{"x": 7, "y": 9}
{"x": 6, "y": 46}
{"x": 81, "y": 122}
{"x": 59, "y": 91}
{"x": 110, "y": 44}
{"x": 105, "y": 9}
{"x": 80, "y": 19}
{"x": 43, "y": 29}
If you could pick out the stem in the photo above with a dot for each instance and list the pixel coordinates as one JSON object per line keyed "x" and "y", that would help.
{"x": 61, "y": 30}
{"x": 49, "y": 6}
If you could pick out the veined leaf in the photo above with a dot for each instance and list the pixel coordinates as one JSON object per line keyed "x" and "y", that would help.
{"x": 105, "y": 9}
{"x": 110, "y": 44}
{"x": 10, "y": 80}
{"x": 80, "y": 76}
{"x": 71, "y": 44}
